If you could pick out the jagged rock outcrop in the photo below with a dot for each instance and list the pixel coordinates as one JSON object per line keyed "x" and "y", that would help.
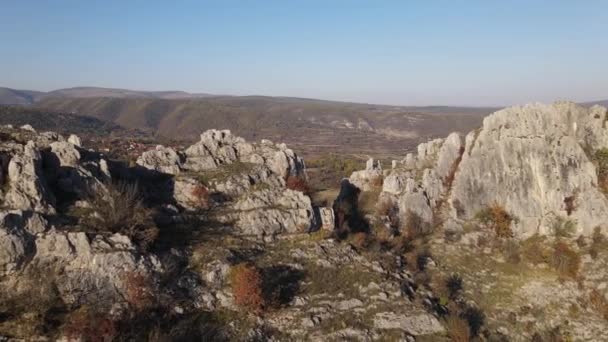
{"x": 536, "y": 161}
{"x": 217, "y": 148}
{"x": 529, "y": 160}
{"x": 370, "y": 177}
{"x": 27, "y": 186}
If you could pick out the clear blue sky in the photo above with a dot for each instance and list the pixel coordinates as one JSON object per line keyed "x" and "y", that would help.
{"x": 397, "y": 52}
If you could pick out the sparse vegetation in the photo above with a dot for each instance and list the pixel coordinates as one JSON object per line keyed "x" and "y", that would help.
{"x": 498, "y": 219}
{"x": 201, "y": 195}
{"x": 139, "y": 291}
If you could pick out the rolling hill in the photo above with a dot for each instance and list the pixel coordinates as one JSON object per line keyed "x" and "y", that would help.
{"x": 311, "y": 124}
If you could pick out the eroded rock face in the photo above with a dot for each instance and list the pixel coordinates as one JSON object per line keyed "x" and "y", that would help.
{"x": 529, "y": 160}
{"x": 161, "y": 159}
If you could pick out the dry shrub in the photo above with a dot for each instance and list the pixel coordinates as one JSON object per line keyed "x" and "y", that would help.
{"x": 247, "y": 287}
{"x": 458, "y": 329}
{"x": 201, "y": 195}
{"x": 297, "y": 183}
{"x": 599, "y": 303}
{"x": 139, "y": 291}
{"x": 86, "y": 325}
{"x": 498, "y": 219}
{"x": 565, "y": 260}
{"x": 120, "y": 209}
{"x": 415, "y": 227}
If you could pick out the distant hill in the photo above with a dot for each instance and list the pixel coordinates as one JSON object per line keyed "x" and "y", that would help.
{"x": 303, "y": 123}
{"x": 44, "y": 120}
{"x": 308, "y": 125}
{"x": 10, "y": 96}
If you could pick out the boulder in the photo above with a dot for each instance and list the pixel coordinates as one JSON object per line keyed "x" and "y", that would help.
{"x": 161, "y": 159}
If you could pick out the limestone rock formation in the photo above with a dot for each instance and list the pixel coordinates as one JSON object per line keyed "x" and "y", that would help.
{"x": 536, "y": 161}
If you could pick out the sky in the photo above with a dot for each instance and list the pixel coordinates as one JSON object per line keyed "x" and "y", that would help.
{"x": 388, "y": 52}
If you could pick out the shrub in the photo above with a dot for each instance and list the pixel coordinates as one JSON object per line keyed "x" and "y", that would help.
{"x": 139, "y": 291}
{"x": 458, "y": 329}
{"x": 565, "y": 260}
{"x": 598, "y": 242}
{"x": 201, "y": 195}
{"x": 119, "y": 209}
{"x": 534, "y": 251}
{"x": 454, "y": 285}
{"x": 498, "y": 219}
{"x": 562, "y": 227}
{"x": 570, "y": 204}
{"x": 247, "y": 287}
{"x": 86, "y": 325}
{"x": 297, "y": 183}
{"x": 475, "y": 318}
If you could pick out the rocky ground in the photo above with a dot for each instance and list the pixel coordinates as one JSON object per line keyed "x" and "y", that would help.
{"x": 496, "y": 236}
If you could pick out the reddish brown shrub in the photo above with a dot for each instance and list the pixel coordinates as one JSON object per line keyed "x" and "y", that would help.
{"x": 415, "y": 227}
{"x": 139, "y": 291}
{"x": 449, "y": 178}
{"x": 247, "y": 287}
{"x": 385, "y": 206}
{"x": 297, "y": 183}
{"x": 86, "y": 325}
{"x": 201, "y": 195}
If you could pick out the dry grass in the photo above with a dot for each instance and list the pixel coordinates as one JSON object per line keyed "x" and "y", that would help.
{"x": 247, "y": 287}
